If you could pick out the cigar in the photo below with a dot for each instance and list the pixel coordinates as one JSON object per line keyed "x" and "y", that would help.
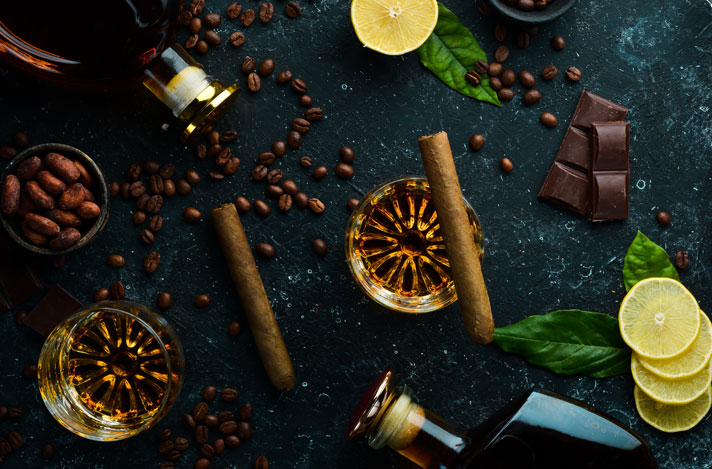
{"x": 253, "y": 297}
{"x": 460, "y": 246}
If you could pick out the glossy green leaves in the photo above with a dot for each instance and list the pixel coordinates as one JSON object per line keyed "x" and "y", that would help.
{"x": 646, "y": 259}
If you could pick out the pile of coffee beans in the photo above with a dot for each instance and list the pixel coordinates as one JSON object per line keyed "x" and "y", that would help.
{"x": 209, "y": 22}
{"x": 229, "y": 429}
{"x": 13, "y": 441}
{"x": 52, "y": 196}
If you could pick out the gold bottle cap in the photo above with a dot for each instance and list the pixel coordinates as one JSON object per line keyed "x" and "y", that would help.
{"x": 372, "y": 406}
{"x": 209, "y": 106}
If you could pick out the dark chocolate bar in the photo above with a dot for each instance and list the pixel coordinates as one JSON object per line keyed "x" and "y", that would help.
{"x": 18, "y": 279}
{"x": 52, "y": 309}
{"x": 564, "y": 186}
{"x": 610, "y": 172}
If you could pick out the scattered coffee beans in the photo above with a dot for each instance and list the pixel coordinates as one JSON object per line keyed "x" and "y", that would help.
{"x": 549, "y": 72}
{"x": 558, "y": 43}
{"x": 242, "y": 204}
{"x": 477, "y": 141}
{"x": 531, "y": 97}
{"x": 117, "y": 290}
{"x": 151, "y": 261}
{"x": 506, "y": 165}
{"x": 192, "y": 215}
{"x": 319, "y": 247}
{"x": 548, "y": 120}
{"x": 508, "y": 77}
{"x": 682, "y": 260}
{"x": 264, "y": 250}
{"x": 233, "y": 329}
{"x": 526, "y": 79}
{"x": 164, "y": 300}
{"x": 352, "y": 204}
{"x": 344, "y": 170}
{"x": 663, "y": 218}
{"x": 101, "y": 294}
{"x": 202, "y": 301}
{"x": 115, "y": 260}
{"x": 573, "y": 74}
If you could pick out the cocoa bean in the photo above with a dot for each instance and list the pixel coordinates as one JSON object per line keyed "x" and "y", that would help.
{"x": 10, "y": 199}
{"x": 62, "y": 167}
{"x": 39, "y": 196}
{"x": 41, "y": 224}
{"x": 51, "y": 183}
{"x": 84, "y": 176}
{"x": 72, "y": 197}
{"x": 88, "y": 210}
{"x": 33, "y": 236}
{"x": 63, "y": 217}
{"x": 28, "y": 168}
{"x": 66, "y": 238}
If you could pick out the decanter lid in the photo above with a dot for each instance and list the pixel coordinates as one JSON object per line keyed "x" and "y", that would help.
{"x": 370, "y": 409}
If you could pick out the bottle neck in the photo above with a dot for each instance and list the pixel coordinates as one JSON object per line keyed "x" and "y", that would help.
{"x": 418, "y": 434}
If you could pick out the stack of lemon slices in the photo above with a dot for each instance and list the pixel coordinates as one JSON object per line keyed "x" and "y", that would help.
{"x": 672, "y": 343}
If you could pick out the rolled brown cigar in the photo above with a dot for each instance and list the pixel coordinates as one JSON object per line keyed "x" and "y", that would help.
{"x": 253, "y": 298}
{"x": 460, "y": 246}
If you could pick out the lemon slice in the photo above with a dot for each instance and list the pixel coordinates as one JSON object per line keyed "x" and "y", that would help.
{"x": 659, "y": 318}
{"x": 689, "y": 362}
{"x": 672, "y": 418}
{"x": 393, "y": 27}
{"x": 668, "y": 391}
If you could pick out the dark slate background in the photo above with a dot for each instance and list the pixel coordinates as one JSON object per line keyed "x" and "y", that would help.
{"x": 653, "y": 57}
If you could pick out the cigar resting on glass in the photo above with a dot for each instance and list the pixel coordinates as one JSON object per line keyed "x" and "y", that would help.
{"x": 253, "y": 298}
{"x": 462, "y": 252}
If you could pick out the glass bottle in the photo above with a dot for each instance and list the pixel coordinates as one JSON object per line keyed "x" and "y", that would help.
{"x": 540, "y": 430}
{"x": 109, "y": 44}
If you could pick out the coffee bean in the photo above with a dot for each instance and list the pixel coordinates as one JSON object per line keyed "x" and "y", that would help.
{"x": 259, "y": 172}
{"x": 261, "y": 208}
{"x": 481, "y": 67}
{"x": 294, "y": 140}
{"x": 15, "y": 440}
{"x": 3, "y": 412}
{"x": 506, "y": 165}
{"x": 147, "y": 236}
{"x": 191, "y": 41}
{"x": 548, "y": 120}
{"x": 253, "y": 82}
{"x": 202, "y": 463}
{"x": 228, "y": 136}
{"x": 192, "y": 176}
{"x": 301, "y": 200}
{"x": 137, "y": 188}
{"x": 212, "y": 20}
{"x": 242, "y": 204}
{"x": 181, "y": 444}
{"x": 188, "y": 421}
{"x": 233, "y": 11}
{"x": 166, "y": 171}
{"x": 526, "y": 79}
{"x": 223, "y": 157}
{"x": 154, "y": 204}
{"x": 7, "y": 152}
{"x": 531, "y": 97}
{"x": 522, "y": 39}
{"x": 663, "y": 218}
{"x": 211, "y": 420}
{"x": 219, "y": 446}
{"x": 244, "y": 430}
{"x": 682, "y": 260}
{"x": 508, "y": 77}
{"x": 298, "y": 86}
{"x": 247, "y": 17}
{"x": 228, "y": 427}
{"x": 156, "y": 223}
{"x": 30, "y": 371}
{"x": 207, "y": 451}
{"x": 210, "y": 393}
{"x": 473, "y": 78}
{"x": 114, "y": 188}
{"x": 236, "y": 40}
{"x": 139, "y": 217}
{"x": 352, "y": 204}
{"x": 202, "y": 301}
{"x": 5, "y": 447}
{"x": 274, "y": 176}
{"x": 305, "y": 161}
{"x": 285, "y": 202}
{"x": 201, "y": 47}
{"x": 47, "y": 451}
{"x": 314, "y": 113}
{"x": 101, "y": 294}
{"x": 501, "y": 53}
{"x": 495, "y": 83}
{"x": 115, "y": 260}
{"x": 233, "y": 330}
{"x": 558, "y": 43}
{"x": 266, "y": 12}
{"x": 261, "y": 462}
{"x": 192, "y": 215}
{"x": 201, "y": 434}
{"x": 477, "y": 141}
{"x": 183, "y": 187}
{"x": 214, "y": 149}
{"x": 267, "y": 66}
{"x": 150, "y": 263}
{"x": 117, "y": 290}
{"x": 319, "y": 248}
{"x": 549, "y": 72}
{"x": 201, "y": 151}
{"x": 231, "y": 166}
{"x": 284, "y": 77}
{"x": 164, "y": 300}
{"x": 274, "y": 191}
{"x": 133, "y": 172}
{"x": 200, "y": 411}
{"x": 166, "y": 447}
{"x": 500, "y": 32}
{"x": 266, "y": 158}
{"x": 320, "y": 172}
{"x": 316, "y": 205}
{"x": 15, "y": 413}
{"x": 292, "y": 10}
{"x": 264, "y": 250}
{"x": 573, "y": 74}
{"x": 155, "y": 184}
{"x": 232, "y": 441}
{"x": 344, "y": 170}
{"x": 301, "y": 125}
{"x": 195, "y": 25}
{"x": 279, "y": 148}
{"x": 505, "y": 94}
{"x": 150, "y": 167}
{"x": 141, "y": 201}
{"x": 306, "y": 101}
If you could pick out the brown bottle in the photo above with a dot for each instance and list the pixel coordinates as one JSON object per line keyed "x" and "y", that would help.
{"x": 111, "y": 43}
{"x": 540, "y": 430}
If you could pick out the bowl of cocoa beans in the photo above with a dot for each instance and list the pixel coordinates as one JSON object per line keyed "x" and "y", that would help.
{"x": 526, "y": 12}
{"x": 53, "y": 199}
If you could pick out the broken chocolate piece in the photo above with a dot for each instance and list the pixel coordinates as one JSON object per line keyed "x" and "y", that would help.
{"x": 53, "y": 308}
{"x": 18, "y": 279}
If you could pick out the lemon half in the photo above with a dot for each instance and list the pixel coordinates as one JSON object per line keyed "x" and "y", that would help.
{"x": 672, "y": 418}
{"x": 394, "y": 27}
{"x": 668, "y": 391}
{"x": 659, "y": 318}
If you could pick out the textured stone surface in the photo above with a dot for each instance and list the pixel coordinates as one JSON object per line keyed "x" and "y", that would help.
{"x": 652, "y": 57}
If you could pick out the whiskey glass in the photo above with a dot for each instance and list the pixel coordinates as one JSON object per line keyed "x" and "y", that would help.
{"x": 111, "y": 370}
{"x": 395, "y": 248}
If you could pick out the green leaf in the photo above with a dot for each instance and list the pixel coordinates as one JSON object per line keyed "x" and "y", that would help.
{"x": 568, "y": 342}
{"x": 646, "y": 259}
{"x": 450, "y": 52}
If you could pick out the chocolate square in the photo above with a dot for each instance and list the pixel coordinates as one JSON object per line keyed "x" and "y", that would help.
{"x": 609, "y": 196}
{"x": 576, "y": 149}
{"x": 53, "y": 308}
{"x": 593, "y": 108}
{"x": 566, "y": 187}
{"x": 609, "y": 145}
